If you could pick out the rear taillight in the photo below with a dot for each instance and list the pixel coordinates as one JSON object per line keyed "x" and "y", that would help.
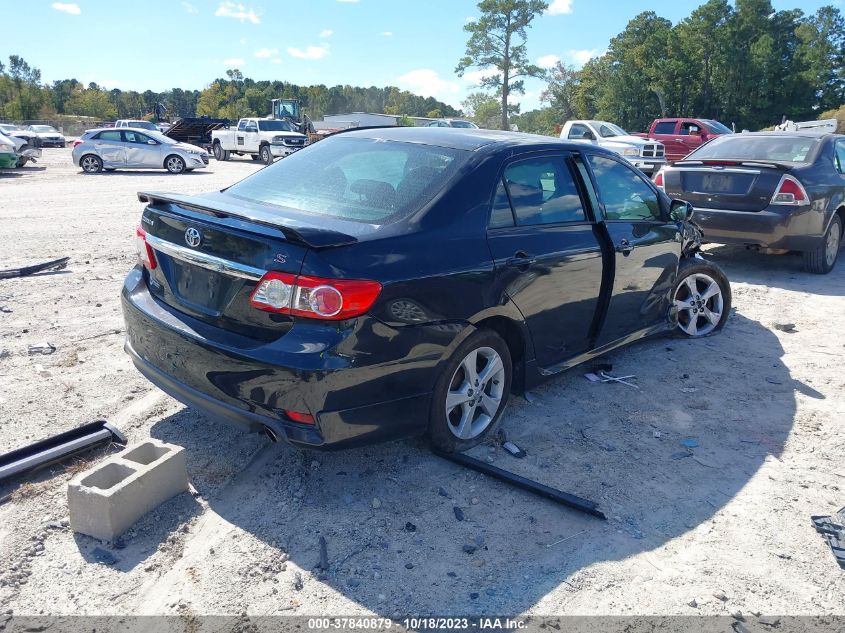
{"x": 77, "y": 142}
{"x": 314, "y": 297}
{"x": 145, "y": 252}
{"x": 302, "y": 418}
{"x": 658, "y": 180}
{"x": 790, "y": 191}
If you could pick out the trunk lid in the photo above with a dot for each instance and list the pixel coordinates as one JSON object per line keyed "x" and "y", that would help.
{"x": 735, "y": 186}
{"x": 210, "y": 258}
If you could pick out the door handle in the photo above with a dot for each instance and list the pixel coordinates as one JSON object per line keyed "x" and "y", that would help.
{"x": 625, "y": 247}
{"x": 521, "y": 260}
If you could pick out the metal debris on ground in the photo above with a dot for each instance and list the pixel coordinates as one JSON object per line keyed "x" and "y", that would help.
{"x": 52, "y": 265}
{"x": 514, "y": 450}
{"x": 785, "y": 327}
{"x": 324, "y": 554}
{"x": 59, "y": 447}
{"x": 564, "y": 498}
{"x": 833, "y": 528}
{"x": 605, "y": 377}
{"x": 43, "y": 348}
{"x": 689, "y": 443}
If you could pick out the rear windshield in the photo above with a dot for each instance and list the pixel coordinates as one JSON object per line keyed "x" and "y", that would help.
{"x": 364, "y": 180}
{"x": 761, "y": 148}
{"x": 714, "y": 127}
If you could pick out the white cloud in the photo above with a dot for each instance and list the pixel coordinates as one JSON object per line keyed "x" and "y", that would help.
{"x": 189, "y": 7}
{"x": 547, "y": 61}
{"x": 276, "y": 60}
{"x": 474, "y": 77}
{"x": 234, "y": 61}
{"x": 267, "y": 53}
{"x": 559, "y": 7}
{"x": 229, "y": 9}
{"x": 426, "y": 82}
{"x": 67, "y": 7}
{"x": 326, "y": 33}
{"x": 388, "y": 33}
{"x": 310, "y": 52}
{"x": 579, "y": 57}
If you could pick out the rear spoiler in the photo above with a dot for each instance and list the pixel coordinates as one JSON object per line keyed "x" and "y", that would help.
{"x": 735, "y": 163}
{"x": 313, "y": 237}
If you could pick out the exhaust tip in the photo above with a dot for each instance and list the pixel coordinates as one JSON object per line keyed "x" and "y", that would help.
{"x": 270, "y": 433}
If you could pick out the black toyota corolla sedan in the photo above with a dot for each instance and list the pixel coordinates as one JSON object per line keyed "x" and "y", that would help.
{"x": 386, "y": 283}
{"x": 775, "y": 190}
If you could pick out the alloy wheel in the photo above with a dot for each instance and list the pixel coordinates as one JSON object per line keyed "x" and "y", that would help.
{"x": 175, "y": 165}
{"x": 475, "y": 393}
{"x": 90, "y": 164}
{"x": 698, "y": 299}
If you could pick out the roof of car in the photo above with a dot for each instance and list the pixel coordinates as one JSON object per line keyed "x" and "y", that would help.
{"x": 119, "y": 129}
{"x": 459, "y": 138}
{"x": 809, "y": 133}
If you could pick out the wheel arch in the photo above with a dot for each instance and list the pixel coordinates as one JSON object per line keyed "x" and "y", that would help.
{"x": 518, "y": 345}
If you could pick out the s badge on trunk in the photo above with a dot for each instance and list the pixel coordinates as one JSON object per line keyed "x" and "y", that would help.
{"x": 193, "y": 237}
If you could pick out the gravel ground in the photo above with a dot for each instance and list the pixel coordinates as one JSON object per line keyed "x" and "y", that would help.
{"x": 721, "y": 528}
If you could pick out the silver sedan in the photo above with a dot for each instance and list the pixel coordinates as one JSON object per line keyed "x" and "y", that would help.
{"x": 132, "y": 148}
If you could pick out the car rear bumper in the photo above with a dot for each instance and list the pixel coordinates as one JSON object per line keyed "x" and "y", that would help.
{"x": 356, "y": 397}
{"x": 781, "y": 227}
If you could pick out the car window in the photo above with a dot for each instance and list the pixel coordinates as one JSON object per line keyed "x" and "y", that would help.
{"x": 359, "y": 179}
{"x": 242, "y": 125}
{"x": 543, "y": 191}
{"x": 664, "y": 127}
{"x": 135, "y": 137}
{"x": 839, "y": 156}
{"x": 579, "y": 131}
{"x": 688, "y": 127}
{"x": 501, "y": 215}
{"x": 251, "y": 126}
{"x": 624, "y": 193}
{"x": 739, "y": 147}
{"x": 109, "y": 135}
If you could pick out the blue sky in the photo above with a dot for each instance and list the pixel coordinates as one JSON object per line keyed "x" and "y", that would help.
{"x": 160, "y": 44}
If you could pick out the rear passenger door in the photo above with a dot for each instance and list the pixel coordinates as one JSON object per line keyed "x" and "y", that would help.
{"x": 109, "y": 145}
{"x": 646, "y": 244}
{"x": 547, "y": 253}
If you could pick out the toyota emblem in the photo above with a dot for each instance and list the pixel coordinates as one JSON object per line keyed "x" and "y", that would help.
{"x": 193, "y": 237}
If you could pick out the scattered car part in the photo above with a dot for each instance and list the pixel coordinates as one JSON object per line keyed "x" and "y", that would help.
{"x": 833, "y": 528}
{"x": 564, "y": 498}
{"x": 55, "y": 264}
{"x": 514, "y": 450}
{"x": 59, "y": 447}
{"x": 45, "y": 348}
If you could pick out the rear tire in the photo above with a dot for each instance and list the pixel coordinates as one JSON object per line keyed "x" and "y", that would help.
{"x": 219, "y": 152}
{"x": 265, "y": 154}
{"x": 91, "y": 164}
{"x": 174, "y": 164}
{"x": 822, "y": 259}
{"x": 471, "y": 393}
{"x": 701, "y": 298}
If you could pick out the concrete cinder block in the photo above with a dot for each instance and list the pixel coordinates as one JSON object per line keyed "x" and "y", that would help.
{"x": 105, "y": 501}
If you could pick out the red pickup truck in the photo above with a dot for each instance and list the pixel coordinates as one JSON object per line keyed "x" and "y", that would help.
{"x": 680, "y": 135}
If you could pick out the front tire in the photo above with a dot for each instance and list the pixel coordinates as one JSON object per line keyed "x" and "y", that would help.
{"x": 471, "y": 393}
{"x": 174, "y": 164}
{"x": 265, "y": 155}
{"x": 701, "y": 299}
{"x": 822, "y": 259}
{"x": 219, "y": 152}
{"x": 91, "y": 164}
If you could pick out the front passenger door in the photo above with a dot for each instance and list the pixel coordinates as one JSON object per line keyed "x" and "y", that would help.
{"x": 646, "y": 244}
{"x": 140, "y": 152}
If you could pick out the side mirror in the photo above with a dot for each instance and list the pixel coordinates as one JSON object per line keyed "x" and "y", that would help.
{"x": 680, "y": 211}
{"x": 151, "y": 142}
{"x": 589, "y": 136}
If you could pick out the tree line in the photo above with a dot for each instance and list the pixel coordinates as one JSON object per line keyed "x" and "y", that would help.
{"x": 23, "y": 96}
{"x": 743, "y": 63}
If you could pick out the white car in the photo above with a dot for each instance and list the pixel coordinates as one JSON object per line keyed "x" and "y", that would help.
{"x": 111, "y": 148}
{"x": 646, "y": 155}
{"x": 50, "y": 136}
{"x": 263, "y": 139}
{"x": 21, "y": 148}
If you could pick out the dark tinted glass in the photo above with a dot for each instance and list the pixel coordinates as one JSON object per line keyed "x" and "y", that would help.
{"x": 543, "y": 192}
{"x": 747, "y": 147}
{"x": 624, "y": 193}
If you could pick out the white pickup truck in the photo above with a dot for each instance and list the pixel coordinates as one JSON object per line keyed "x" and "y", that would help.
{"x": 263, "y": 139}
{"x": 646, "y": 155}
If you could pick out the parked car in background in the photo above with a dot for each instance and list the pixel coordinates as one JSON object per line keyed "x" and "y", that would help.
{"x": 24, "y": 151}
{"x": 111, "y": 148}
{"x": 390, "y": 282}
{"x": 645, "y": 155}
{"x": 680, "y": 136}
{"x": 138, "y": 124}
{"x": 262, "y": 139}
{"x": 15, "y": 131}
{"x": 8, "y": 154}
{"x": 50, "y": 136}
{"x": 774, "y": 190}
{"x": 461, "y": 123}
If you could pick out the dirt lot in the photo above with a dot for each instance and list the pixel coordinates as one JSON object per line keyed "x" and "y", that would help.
{"x": 766, "y": 406}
